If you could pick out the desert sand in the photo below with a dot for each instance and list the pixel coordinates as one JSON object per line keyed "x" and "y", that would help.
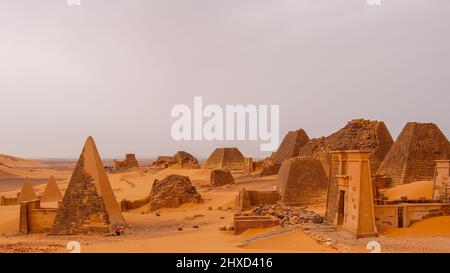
{"x": 148, "y": 232}
{"x": 416, "y": 190}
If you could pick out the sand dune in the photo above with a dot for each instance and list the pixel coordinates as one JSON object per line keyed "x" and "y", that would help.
{"x": 433, "y": 227}
{"x": 412, "y": 191}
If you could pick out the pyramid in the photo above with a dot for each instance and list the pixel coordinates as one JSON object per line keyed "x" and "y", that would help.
{"x": 51, "y": 192}
{"x": 413, "y": 155}
{"x": 358, "y": 134}
{"x": 226, "y": 158}
{"x": 27, "y": 193}
{"x": 89, "y": 205}
{"x": 302, "y": 181}
{"x": 291, "y": 145}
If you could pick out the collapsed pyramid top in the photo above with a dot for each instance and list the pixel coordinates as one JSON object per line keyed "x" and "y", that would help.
{"x": 27, "y": 193}
{"x": 358, "y": 134}
{"x": 413, "y": 155}
{"x": 89, "y": 204}
{"x": 226, "y": 158}
{"x": 51, "y": 192}
{"x": 291, "y": 145}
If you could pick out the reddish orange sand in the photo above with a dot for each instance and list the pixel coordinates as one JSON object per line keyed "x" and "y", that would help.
{"x": 433, "y": 227}
{"x": 412, "y": 191}
{"x": 149, "y": 233}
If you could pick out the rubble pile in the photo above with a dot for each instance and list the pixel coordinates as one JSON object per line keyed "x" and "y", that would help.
{"x": 288, "y": 215}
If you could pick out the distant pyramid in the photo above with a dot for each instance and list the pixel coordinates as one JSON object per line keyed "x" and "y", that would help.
{"x": 226, "y": 158}
{"x": 291, "y": 145}
{"x": 27, "y": 193}
{"x": 89, "y": 204}
{"x": 413, "y": 155}
{"x": 51, "y": 192}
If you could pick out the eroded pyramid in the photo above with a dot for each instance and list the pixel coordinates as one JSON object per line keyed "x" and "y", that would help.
{"x": 226, "y": 158}
{"x": 89, "y": 204}
{"x": 358, "y": 134}
{"x": 51, "y": 192}
{"x": 413, "y": 155}
{"x": 27, "y": 193}
{"x": 302, "y": 181}
{"x": 290, "y": 146}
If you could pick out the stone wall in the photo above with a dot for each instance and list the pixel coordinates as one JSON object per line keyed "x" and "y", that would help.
{"x": 8, "y": 201}
{"x": 441, "y": 191}
{"x": 249, "y": 165}
{"x": 34, "y": 219}
{"x": 247, "y": 199}
{"x": 243, "y": 223}
{"x": 404, "y": 215}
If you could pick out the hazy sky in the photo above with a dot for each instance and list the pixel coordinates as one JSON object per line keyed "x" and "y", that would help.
{"x": 114, "y": 69}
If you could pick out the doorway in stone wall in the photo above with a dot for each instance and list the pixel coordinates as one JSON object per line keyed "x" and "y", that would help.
{"x": 341, "y": 208}
{"x": 400, "y": 217}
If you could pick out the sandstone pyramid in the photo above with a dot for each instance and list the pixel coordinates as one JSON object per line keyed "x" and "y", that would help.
{"x": 413, "y": 155}
{"x": 226, "y": 158}
{"x": 27, "y": 193}
{"x": 89, "y": 204}
{"x": 290, "y": 146}
{"x": 302, "y": 181}
{"x": 184, "y": 160}
{"x": 358, "y": 134}
{"x": 51, "y": 192}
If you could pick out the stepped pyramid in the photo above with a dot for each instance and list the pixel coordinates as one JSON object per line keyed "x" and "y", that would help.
{"x": 291, "y": 145}
{"x": 358, "y": 134}
{"x": 302, "y": 181}
{"x": 413, "y": 155}
{"x": 51, "y": 192}
{"x": 89, "y": 204}
{"x": 27, "y": 193}
{"x": 226, "y": 158}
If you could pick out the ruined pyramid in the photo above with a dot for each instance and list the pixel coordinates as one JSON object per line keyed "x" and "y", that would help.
{"x": 89, "y": 205}
{"x": 290, "y": 146}
{"x": 302, "y": 181}
{"x": 226, "y": 158}
{"x": 358, "y": 134}
{"x": 27, "y": 193}
{"x": 51, "y": 192}
{"x": 413, "y": 155}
